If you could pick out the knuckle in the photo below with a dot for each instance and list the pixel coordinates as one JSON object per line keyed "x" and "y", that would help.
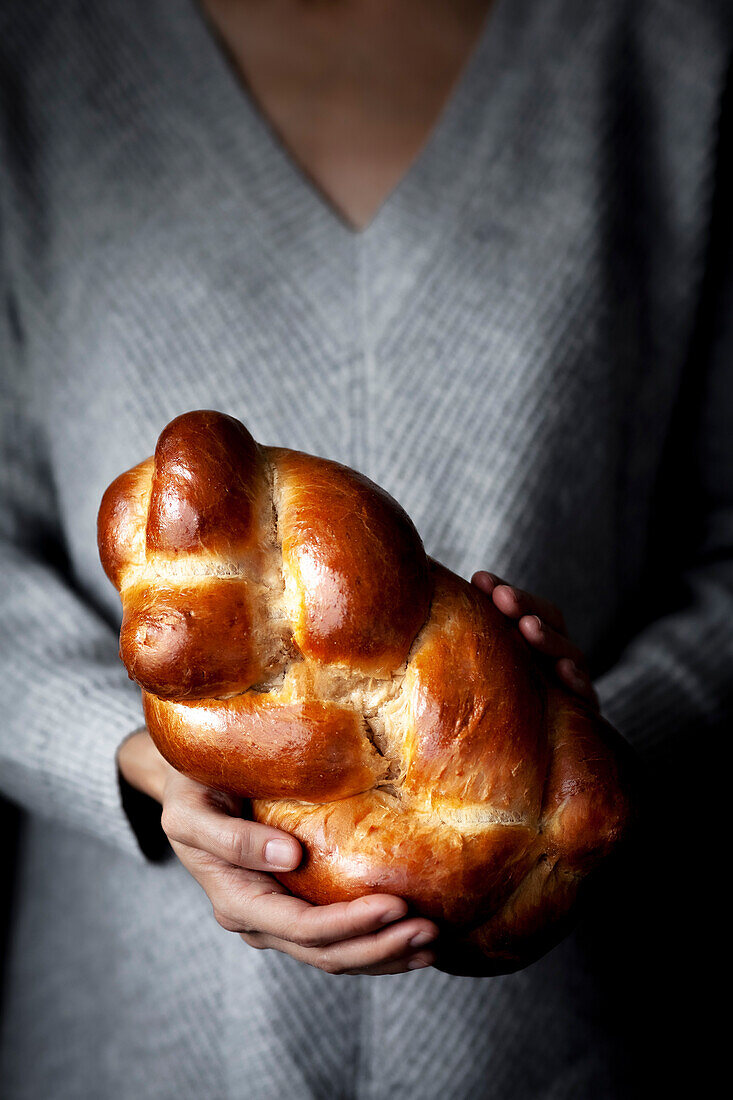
{"x": 255, "y": 940}
{"x": 307, "y": 939}
{"x": 235, "y": 843}
{"x": 172, "y": 821}
{"x": 329, "y": 964}
{"x": 238, "y": 844}
{"x": 228, "y": 922}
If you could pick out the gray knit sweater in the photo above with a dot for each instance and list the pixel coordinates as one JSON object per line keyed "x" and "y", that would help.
{"x": 529, "y": 347}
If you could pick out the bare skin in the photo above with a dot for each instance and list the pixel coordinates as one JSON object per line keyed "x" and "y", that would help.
{"x": 230, "y": 857}
{"x": 353, "y": 88}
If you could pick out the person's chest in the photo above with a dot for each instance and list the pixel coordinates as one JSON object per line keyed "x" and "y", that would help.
{"x": 500, "y": 349}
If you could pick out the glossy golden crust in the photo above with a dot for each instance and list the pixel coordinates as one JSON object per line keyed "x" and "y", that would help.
{"x": 586, "y": 807}
{"x": 121, "y": 522}
{"x": 473, "y": 707}
{"x": 354, "y": 561}
{"x": 376, "y": 842}
{"x": 194, "y": 639}
{"x": 297, "y": 647}
{"x": 253, "y": 746}
{"x": 208, "y": 488}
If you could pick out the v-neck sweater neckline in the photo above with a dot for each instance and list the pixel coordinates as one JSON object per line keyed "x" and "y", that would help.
{"x": 226, "y": 67}
{"x": 291, "y": 216}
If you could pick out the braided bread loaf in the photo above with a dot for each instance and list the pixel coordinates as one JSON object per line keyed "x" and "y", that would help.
{"x": 296, "y": 646}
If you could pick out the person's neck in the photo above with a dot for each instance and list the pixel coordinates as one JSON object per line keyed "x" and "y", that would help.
{"x": 352, "y": 87}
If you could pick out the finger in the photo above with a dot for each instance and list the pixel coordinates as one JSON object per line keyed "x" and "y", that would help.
{"x": 197, "y": 817}
{"x": 486, "y": 581}
{"x": 577, "y": 680}
{"x": 515, "y": 602}
{"x": 391, "y": 951}
{"x": 402, "y": 965}
{"x": 544, "y": 639}
{"x": 297, "y": 921}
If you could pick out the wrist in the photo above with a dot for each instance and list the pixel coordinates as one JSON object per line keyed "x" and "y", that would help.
{"x": 142, "y": 766}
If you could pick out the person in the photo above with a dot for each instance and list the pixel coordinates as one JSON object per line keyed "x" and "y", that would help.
{"x": 478, "y": 252}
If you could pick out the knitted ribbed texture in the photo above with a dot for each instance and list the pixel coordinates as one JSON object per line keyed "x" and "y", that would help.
{"x": 504, "y": 349}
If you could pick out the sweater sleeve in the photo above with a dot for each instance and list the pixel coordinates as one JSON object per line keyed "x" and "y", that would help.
{"x": 675, "y": 677}
{"x": 68, "y": 704}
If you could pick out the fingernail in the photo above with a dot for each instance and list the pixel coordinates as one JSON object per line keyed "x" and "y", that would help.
{"x": 538, "y": 620}
{"x": 279, "y": 853}
{"x": 390, "y": 915}
{"x": 421, "y": 938}
{"x": 417, "y": 963}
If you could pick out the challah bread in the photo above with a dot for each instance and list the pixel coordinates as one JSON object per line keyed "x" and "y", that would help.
{"x": 295, "y": 646}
